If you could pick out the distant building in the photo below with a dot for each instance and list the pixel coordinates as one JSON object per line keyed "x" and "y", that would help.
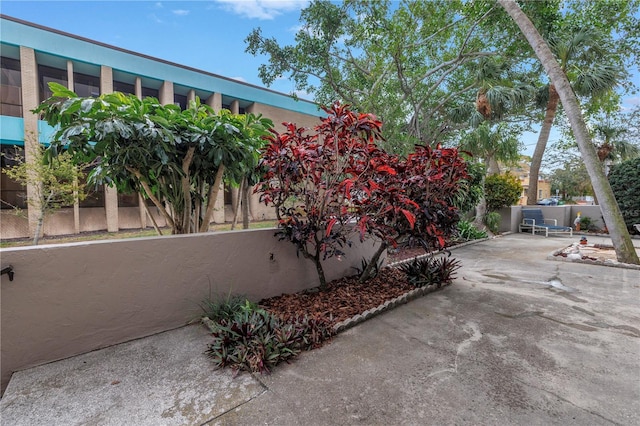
{"x": 521, "y": 171}
{"x": 32, "y": 56}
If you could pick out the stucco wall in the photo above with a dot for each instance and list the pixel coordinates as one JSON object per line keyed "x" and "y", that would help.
{"x": 69, "y": 299}
{"x": 565, "y": 215}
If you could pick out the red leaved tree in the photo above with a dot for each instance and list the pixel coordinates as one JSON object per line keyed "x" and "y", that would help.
{"x": 323, "y": 183}
{"x": 310, "y": 179}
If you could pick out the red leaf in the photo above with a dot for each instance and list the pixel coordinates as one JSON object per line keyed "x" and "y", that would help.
{"x": 330, "y": 225}
{"x": 410, "y": 217}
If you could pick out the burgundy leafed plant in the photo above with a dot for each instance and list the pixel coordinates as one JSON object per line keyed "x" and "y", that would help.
{"x": 334, "y": 181}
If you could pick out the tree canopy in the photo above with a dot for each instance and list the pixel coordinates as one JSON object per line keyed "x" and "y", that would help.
{"x": 177, "y": 159}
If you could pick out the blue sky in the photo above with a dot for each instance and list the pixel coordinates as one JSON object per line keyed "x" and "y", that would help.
{"x": 208, "y": 35}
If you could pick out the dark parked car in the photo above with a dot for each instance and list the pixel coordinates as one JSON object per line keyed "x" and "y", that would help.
{"x": 547, "y": 202}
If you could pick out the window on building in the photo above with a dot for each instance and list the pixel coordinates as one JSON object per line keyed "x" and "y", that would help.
{"x": 126, "y": 88}
{"x": 11, "y": 89}
{"x": 148, "y": 92}
{"x": 12, "y": 193}
{"x": 539, "y": 193}
{"x": 86, "y": 85}
{"x": 47, "y": 75}
{"x": 180, "y": 100}
{"x": 127, "y": 200}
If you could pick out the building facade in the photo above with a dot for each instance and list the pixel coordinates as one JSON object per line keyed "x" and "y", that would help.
{"x": 521, "y": 171}
{"x": 32, "y": 56}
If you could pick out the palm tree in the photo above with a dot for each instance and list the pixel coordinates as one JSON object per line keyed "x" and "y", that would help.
{"x": 577, "y": 54}
{"x": 625, "y": 252}
{"x": 612, "y": 144}
{"x": 492, "y": 144}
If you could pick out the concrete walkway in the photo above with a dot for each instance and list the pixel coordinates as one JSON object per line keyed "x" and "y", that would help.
{"x": 517, "y": 339}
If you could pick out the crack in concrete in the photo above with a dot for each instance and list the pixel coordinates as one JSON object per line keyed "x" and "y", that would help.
{"x": 567, "y": 401}
{"x": 208, "y": 422}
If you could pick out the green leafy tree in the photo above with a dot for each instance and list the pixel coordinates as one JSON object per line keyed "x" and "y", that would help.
{"x": 406, "y": 62}
{"x": 625, "y": 182}
{"x": 625, "y": 252}
{"x": 571, "y": 180}
{"x": 52, "y": 184}
{"x": 492, "y": 144}
{"x": 502, "y": 191}
{"x": 177, "y": 159}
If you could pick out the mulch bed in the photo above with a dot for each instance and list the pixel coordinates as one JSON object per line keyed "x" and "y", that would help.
{"x": 346, "y": 297}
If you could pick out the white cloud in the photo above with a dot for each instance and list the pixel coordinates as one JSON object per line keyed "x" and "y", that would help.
{"x": 180, "y": 12}
{"x": 262, "y": 9}
{"x": 159, "y": 5}
{"x": 302, "y": 94}
{"x": 155, "y": 18}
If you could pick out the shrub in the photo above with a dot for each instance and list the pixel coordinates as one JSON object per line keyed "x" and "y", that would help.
{"x": 625, "y": 182}
{"x": 468, "y": 232}
{"x": 226, "y": 308}
{"x": 586, "y": 224}
{"x": 255, "y": 340}
{"x": 431, "y": 271}
{"x": 502, "y": 191}
{"x": 492, "y": 220}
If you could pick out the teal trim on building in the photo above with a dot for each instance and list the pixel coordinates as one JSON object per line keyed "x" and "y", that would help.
{"x": 64, "y": 46}
{"x": 45, "y": 132}
{"x": 11, "y": 130}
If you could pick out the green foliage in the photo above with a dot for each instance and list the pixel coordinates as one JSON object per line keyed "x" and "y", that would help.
{"x": 625, "y": 183}
{"x": 468, "y": 232}
{"x": 55, "y": 183}
{"x": 178, "y": 159}
{"x": 586, "y": 224}
{"x": 255, "y": 340}
{"x": 571, "y": 179}
{"x": 431, "y": 270}
{"x": 471, "y": 189}
{"x": 502, "y": 191}
{"x": 219, "y": 309}
{"x": 492, "y": 220}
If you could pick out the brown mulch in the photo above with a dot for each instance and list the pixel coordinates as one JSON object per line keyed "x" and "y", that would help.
{"x": 342, "y": 299}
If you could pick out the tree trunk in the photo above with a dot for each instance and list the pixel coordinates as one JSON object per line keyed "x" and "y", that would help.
{"x": 373, "y": 262}
{"x": 186, "y": 190}
{"x": 211, "y": 199}
{"x": 156, "y": 202}
{"x": 153, "y": 221}
{"x": 543, "y": 138}
{"x": 236, "y": 207}
{"x": 612, "y": 215}
{"x": 245, "y": 203}
{"x": 36, "y": 237}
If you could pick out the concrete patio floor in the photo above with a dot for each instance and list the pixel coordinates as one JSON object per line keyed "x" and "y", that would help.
{"x": 516, "y": 339}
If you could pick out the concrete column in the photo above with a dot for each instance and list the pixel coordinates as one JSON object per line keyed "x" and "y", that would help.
{"x": 138, "y": 87}
{"x": 235, "y": 107}
{"x": 70, "y": 81}
{"x": 30, "y": 100}
{"x": 215, "y": 101}
{"x": 110, "y": 193}
{"x": 106, "y": 79}
{"x": 191, "y": 96}
{"x": 166, "y": 93}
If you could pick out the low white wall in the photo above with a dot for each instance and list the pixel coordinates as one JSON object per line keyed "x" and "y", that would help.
{"x": 69, "y": 299}
{"x": 565, "y": 215}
